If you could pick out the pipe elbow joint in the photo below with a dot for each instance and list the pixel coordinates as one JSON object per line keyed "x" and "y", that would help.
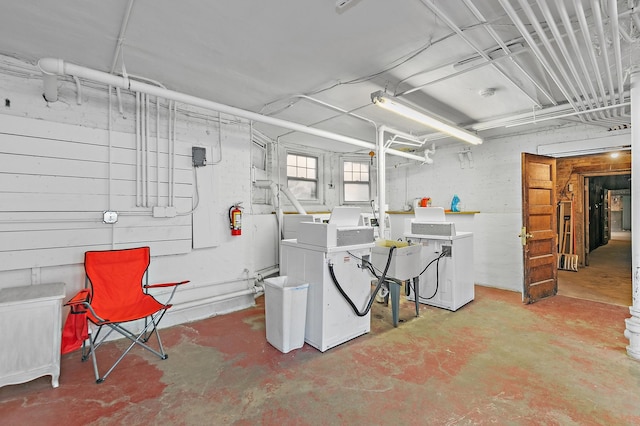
{"x": 51, "y": 66}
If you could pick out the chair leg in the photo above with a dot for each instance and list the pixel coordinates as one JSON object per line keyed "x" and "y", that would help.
{"x": 92, "y": 349}
{"x": 136, "y": 339}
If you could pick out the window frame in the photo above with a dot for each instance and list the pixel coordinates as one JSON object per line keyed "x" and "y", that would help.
{"x": 317, "y": 180}
{"x": 343, "y": 182}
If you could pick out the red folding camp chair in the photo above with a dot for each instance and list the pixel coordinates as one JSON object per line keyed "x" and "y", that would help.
{"x": 115, "y": 294}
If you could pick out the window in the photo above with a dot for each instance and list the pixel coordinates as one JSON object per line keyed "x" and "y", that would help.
{"x": 302, "y": 176}
{"x": 355, "y": 181}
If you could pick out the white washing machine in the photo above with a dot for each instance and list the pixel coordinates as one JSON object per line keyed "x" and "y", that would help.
{"x": 330, "y": 319}
{"x": 448, "y": 282}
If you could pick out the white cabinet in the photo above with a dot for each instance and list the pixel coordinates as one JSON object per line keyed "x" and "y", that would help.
{"x": 30, "y": 333}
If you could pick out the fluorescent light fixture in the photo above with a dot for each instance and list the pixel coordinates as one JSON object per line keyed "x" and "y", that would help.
{"x": 383, "y": 101}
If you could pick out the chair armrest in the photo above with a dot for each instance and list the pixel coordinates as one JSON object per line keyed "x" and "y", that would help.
{"x": 165, "y": 284}
{"x": 80, "y": 298}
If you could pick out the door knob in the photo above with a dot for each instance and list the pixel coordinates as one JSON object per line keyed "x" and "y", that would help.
{"x": 524, "y": 235}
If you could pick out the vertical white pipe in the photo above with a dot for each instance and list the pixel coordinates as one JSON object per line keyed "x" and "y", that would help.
{"x": 173, "y": 155}
{"x": 143, "y": 147}
{"x": 119, "y": 97}
{"x": 138, "y": 180}
{"x": 50, "y": 83}
{"x": 158, "y": 104}
{"x": 146, "y": 152}
{"x": 110, "y": 161}
{"x": 632, "y": 331}
{"x": 169, "y": 124}
{"x": 381, "y": 181}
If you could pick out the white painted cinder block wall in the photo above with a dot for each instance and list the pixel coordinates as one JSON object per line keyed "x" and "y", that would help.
{"x": 491, "y": 184}
{"x": 218, "y": 265}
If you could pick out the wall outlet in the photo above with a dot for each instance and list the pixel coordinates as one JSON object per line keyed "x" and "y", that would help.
{"x": 446, "y": 251}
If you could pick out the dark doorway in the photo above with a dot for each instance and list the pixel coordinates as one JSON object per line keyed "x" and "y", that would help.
{"x": 606, "y": 275}
{"x": 600, "y": 207}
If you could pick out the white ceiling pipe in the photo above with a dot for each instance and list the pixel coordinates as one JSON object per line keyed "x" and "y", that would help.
{"x": 579, "y": 78}
{"x": 440, "y": 14}
{"x": 615, "y": 31}
{"x": 457, "y": 73}
{"x": 573, "y": 114}
{"x": 59, "y": 67}
{"x": 597, "y": 19}
{"x": 636, "y": 19}
{"x": 584, "y": 27}
{"x": 536, "y": 50}
{"x": 285, "y": 190}
{"x": 476, "y": 12}
{"x": 332, "y": 107}
{"x": 539, "y": 31}
{"x": 123, "y": 30}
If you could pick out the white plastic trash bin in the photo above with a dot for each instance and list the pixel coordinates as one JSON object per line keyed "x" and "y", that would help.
{"x": 285, "y": 308}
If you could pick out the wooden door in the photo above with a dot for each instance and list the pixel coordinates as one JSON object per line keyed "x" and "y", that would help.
{"x": 539, "y": 232}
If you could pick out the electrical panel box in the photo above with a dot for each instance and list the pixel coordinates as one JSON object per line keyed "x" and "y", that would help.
{"x": 199, "y": 155}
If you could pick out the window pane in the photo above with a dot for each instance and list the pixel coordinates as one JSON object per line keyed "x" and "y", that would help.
{"x": 356, "y": 192}
{"x": 356, "y": 167}
{"x": 291, "y": 160}
{"x": 291, "y": 171}
{"x": 311, "y": 173}
{"x": 348, "y": 166}
{"x": 303, "y": 190}
{"x": 311, "y": 162}
{"x": 301, "y": 161}
{"x": 364, "y": 177}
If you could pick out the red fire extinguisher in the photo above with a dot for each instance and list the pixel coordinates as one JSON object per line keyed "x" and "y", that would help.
{"x": 235, "y": 219}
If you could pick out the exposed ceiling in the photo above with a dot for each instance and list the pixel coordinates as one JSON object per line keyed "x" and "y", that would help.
{"x": 484, "y": 65}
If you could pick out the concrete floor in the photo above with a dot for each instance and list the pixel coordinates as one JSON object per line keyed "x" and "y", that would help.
{"x": 607, "y": 278}
{"x": 561, "y": 361}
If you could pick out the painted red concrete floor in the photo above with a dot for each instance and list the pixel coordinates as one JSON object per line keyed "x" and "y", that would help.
{"x": 561, "y": 361}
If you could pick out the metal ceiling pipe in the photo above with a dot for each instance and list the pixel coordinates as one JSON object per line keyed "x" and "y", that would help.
{"x": 533, "y": 19}
{"x": 123, "y": 30}
{"x": 476, "y": 12}
{"x": 537, "y": 52}
{"x": 597, "y": 19}
{"x": 572, "y": 114}
{"x": 559, "y": 39}
{"x": 342, "y": 112}
{"x": 382, "y": 177}
{"x": 58, "y": 66}
{"x": 615, "y": 31}
{"x": 431, "y": 5}
{"x": 275, "y": 189}
{"x": 543, "y": 113}
{"x": 457, "y": 73}
{"x": 584, "y": 27}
